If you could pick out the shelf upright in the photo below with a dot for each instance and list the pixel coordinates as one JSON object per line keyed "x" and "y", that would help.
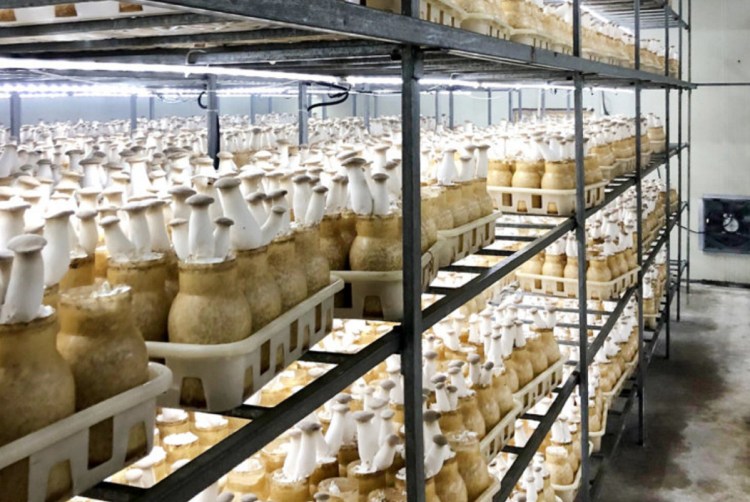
{"x": 411, "y": 335}
{"x": 451, "y": 110}
{"x": 580, "y": 228}
{"x": 212, "y": 118}
{"x": 133, "y": 114}
{"x": 668, "y": 170}
{"x": 679, "y": 165}
{"x": 302, "y": 114}
{"x": 641, "y": 379}
{"x": 688, "y": 196}
{"x": 15, "y": 116}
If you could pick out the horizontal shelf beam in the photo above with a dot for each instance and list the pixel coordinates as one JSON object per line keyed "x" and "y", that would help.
{"x": 113, "y": 25}
{"x": 343, "y": 18}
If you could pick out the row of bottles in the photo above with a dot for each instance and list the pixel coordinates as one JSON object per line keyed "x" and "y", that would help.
{"x": 534, "y": 21}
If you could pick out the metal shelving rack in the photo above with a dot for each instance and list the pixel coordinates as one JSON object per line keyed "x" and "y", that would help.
{"x": 333, "y": 37}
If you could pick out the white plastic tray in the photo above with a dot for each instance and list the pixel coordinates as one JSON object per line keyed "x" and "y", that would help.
{"x": 596, "y": 437}
{"x": 491, "y": 444}
{"x": 542, "y": 201}
{"x": 379, "y": 295}
{"x": 568, "y": 288}
{"x": 68, "y": 439}
{"x": 462, "y": 241}
{"x": 540, "y": 386}
{"x": 222, "y": 368}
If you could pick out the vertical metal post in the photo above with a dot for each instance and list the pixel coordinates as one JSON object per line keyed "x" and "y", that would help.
{"x": 269, "y": 104}
{"x": 376, "y": 106}
{"x": 679, "y": 167}
{"x": 668, "y": 168}
{"x": 411, "y": 352}
{"x": 354, "y": 105}
{"x": 133, "y": 114}
{"x": 520, "y": 104}
{"x": 583, "y": 357}
{"x": 451, "y": 111}
{"x": 252, "y": 108}
{"x": 641, "y": 378}
{"x": 367, "y": 112}
{"x": 688, "y": 195}
{"x": 567, "y": 102}
{"x": 212, "y": 117}
{"x": 302, "y": 114}
{"x": 489, "y": 107}
{"x": 438, "y": 119}
{"x": 543, "y": 102}
{"x": 15, "y": 116}
{"x": 511, "y": 117}
{"x": 151, "y": 107}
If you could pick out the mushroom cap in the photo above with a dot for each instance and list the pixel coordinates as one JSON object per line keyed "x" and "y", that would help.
{"x": 109, "y": 220}
{"x": 393, "y": 440}
{"x": 177, "y": 222}
{"x": 14, "y": 205}
{"x": 363, "y": 416}
{"x": 473, "y": 358}
{"x": 256, "y": 197}
{"x": 354, "y": 162}
{"x": 302, "y": 178}
{"x": 86, "y": 214}
{"x": 181, "y": 191}
{"x": 134, "y": 207}
{"x": 439, "y": 378}
{"x": 154, "y": 204}
{"x": 387, "y": 384}
{"x": 5, "y": 256}
{"x": 26, "y": 243}
{"x": 309, "y": 427}
{"x": 431, "y": 416}
{"x": 343, "y": 398}
{"x": 320, "y": 189}
{"x": 223, "y": 221}
{"x": 200, "y": 200}
{"x": 278, "y": 210}
{"x": 227, "y": 183}
{"x": 28, "y": 181}
{"x": 277, "y": 194}
{"x": 440, "y": 440}
{"x": 380, "y": 177}
{"x": 60, "y": 213}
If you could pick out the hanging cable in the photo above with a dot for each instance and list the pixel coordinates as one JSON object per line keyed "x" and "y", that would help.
{"x": 337, "y": 98}
{"x": 200, "y": 101}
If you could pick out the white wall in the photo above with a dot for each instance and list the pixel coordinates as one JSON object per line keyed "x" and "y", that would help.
{"x": 720, "y": 135}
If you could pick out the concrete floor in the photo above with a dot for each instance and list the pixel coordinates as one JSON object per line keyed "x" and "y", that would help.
{"x": 697, "y": 410}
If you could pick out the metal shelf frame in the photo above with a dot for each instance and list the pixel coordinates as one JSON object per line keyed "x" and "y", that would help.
{"x": 363, "y": 41}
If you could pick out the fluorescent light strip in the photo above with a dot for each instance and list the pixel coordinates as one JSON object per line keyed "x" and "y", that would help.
{"x": 59, "y": 64}
{"x": 604, "y": 19}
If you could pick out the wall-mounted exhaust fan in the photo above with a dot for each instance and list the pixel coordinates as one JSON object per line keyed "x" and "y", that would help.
{"x": 725, "y": 224}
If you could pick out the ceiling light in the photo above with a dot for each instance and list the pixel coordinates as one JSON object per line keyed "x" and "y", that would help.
{"x": 60, "y": 64}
